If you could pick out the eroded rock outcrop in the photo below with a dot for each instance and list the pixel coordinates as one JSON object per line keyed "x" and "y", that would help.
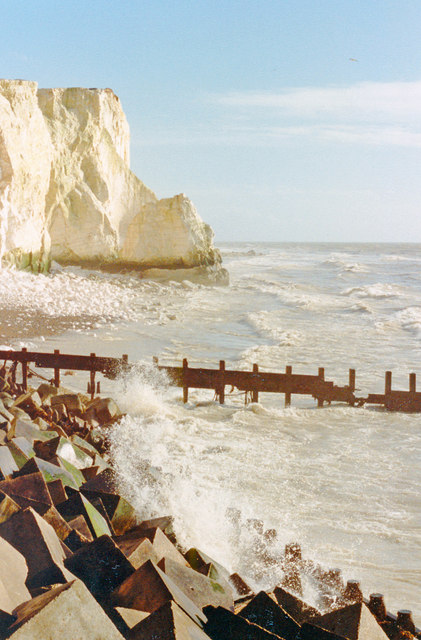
{"x": 65, "y": 183}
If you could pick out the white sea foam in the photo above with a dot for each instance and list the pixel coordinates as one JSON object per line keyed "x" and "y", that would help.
{"x": 378, "y": 290}
{"x": 410, "y": 319}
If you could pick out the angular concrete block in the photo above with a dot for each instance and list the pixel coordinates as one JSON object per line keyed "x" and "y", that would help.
{"x": 131, "y": 617}
{"x": 79, "y": 524}
{"x": 13, "y": 574}
{"x": 169, "y": 622}
{"x": 7, "y": 463}
{"x": 37, "y": 541}
{"x": 163, "y": 547}
{"x": 138, "y": 553}
{"x": 21, "y": 450}
{"x": 58, "y": 523}
{"x": 299, "y": 610}
{"x": 165, "y": 523}
{"x": 101, "y": 566}
{"x": 90, "y": 472}
{"x": 224, "y": 625}
{"x": 311, "y": 632}
{"x": 148, "y": 588}
{"x": 71, "y": 468}
{"x": 103, "y": 410}
{"x": 50, "y": 472}
{"x": 28, "y": 491}
{"x": 200, "y": 561}
{"x": 56, "y": 490}
{"x": 78, "y": 505}
{"x": 46, "y": 390}
{"x": 240, "y": 587}
{"x": 201, "y": 590}
{"x": 65, "y": 612}
{"x": 266, "y": 613}
{"x": 102, "y": 483}
{"x": 354, "y": 621}
{"x": 71, "y": 401}
{"x": 7, "y": 507}
{"x": 122, "y": 515}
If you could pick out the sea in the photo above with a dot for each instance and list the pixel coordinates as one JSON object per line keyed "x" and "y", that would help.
{"x": 342, "y": 482}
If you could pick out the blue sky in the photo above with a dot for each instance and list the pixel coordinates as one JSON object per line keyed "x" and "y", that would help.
{"x": 282, "y": 120}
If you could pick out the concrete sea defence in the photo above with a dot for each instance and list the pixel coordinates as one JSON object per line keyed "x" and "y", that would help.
{"x": 77, "y": 562}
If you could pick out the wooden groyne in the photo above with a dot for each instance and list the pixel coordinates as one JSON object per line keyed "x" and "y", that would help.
{"x": 251, "y": 383}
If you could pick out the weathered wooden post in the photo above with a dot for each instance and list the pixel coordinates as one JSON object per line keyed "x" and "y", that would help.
{"x": 387, "y": 383}
{"x": 24, "y": 371}
{"x": 255, "y": 393}
{"x": 321, "y": 378}
{"x": 404, "y": 621}
{"x": 185, "y": 387}
{"x": 92, "y": 378}
{"x": 56, "y": 371}
{"x": 351, "y": 383}
{"x": 221, "y": 386}
{"x": 288, "y": 371}
{"x": 412, "y": 382}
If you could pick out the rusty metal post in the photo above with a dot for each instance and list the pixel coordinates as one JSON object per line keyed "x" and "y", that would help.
{"x": 98, "y": 387}
{"x": 255, "y": 393}
{"x": 387, "y": 383}
{"x": 185, "y": 387}
{"x": 57, "y": 371}
{"x": 351, "y": 383}
{"x": 221, "y": 389}
{"x": 92, "y": 378}
{"x": 321, "y": 377}
{"x": 24, "y": 371}
{"x": 412, "y": 382}
{"x": 288, "y": 371}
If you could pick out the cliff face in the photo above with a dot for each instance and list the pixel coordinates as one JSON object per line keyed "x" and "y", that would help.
{"x": 65, "y": 184}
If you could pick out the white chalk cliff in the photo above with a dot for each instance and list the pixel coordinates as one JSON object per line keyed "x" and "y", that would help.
{"x": 67, "y": 192}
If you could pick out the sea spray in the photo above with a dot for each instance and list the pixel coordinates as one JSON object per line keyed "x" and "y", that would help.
{"x": 160, "y": 467}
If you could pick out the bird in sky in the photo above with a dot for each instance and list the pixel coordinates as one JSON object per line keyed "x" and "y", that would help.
{"x": 353, "y": 59}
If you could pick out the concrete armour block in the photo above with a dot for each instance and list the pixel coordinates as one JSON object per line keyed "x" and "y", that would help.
{"x": 354, "y": 621}
{"x": 138, "y": 553}
{"x": 165, "y": 523}
{"x": 162, "y": 546}
{"x": 68, "y": 612}
{"x": 57, "y": 492}
{"x": 78, "y": 505}
{"x": 37, "y": 541}
{"x": 13, "y": 574}
{"x": 201, "y": 590}
{"x": 7, "y": 507}
{"x": 7, "y": 462}
{"x": 225, "y": 625}
{"x": 299, "y": 610}
{"x": 103, "y": 410}
{"x": 167, "y": 623}
{"x": 200, "y": 561}
{"x": 239, "y": 585}
{"x": 28, "y": 491}
{"x": 131, "y": 617}
{"x": 148, "y": 588}
{"x": 311, "y": 632}
{"x": 262, "y": 610}
{"x": 102, "y": 566}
